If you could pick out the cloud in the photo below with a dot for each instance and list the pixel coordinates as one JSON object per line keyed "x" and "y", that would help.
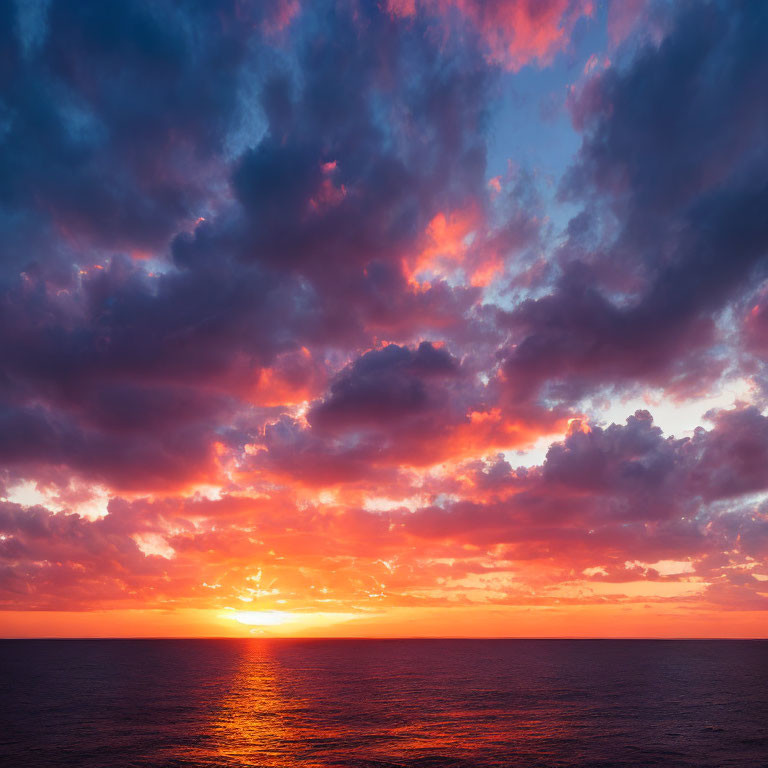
{"x": 672, "y": 162}
{"x": 610, "y": 505}
{"x": 110, "y": 353}
{"x": 385, "y": 386}
{"x": 514, "y": 33}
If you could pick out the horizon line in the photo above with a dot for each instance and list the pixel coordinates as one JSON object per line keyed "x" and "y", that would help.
{"x": 392, "y": 638}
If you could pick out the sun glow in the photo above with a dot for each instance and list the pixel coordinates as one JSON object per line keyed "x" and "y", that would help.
{"x": 289, "y": 623}
{"x": 262, "y": 618}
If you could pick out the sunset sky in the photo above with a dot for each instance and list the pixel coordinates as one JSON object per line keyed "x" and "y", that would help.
{"x": 387, "y": 318}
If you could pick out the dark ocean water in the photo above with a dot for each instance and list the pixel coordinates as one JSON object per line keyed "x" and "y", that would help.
{"x": 428, "y": 703}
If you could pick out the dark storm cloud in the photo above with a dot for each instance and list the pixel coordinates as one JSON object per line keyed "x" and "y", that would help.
{"x": 384, "y": 386}
{"x": 117, "y": 133}
{"x": 113, "y": 123}
{"x": 674, "y": 147}
{"x": 383, "y": 132}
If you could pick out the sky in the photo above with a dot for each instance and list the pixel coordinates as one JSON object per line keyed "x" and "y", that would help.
{"x": 392, "y": 318}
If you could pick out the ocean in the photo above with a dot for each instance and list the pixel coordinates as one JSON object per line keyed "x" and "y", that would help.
{"x": 383, "y": 703}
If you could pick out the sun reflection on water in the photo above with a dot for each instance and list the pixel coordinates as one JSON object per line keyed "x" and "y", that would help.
{"x": 320, "y": 703}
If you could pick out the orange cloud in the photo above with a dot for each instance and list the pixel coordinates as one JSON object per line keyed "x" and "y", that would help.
{"x": 515, "y": 32}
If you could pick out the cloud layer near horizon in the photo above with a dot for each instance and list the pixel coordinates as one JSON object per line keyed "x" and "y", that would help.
{"x": 275, "y": 335}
